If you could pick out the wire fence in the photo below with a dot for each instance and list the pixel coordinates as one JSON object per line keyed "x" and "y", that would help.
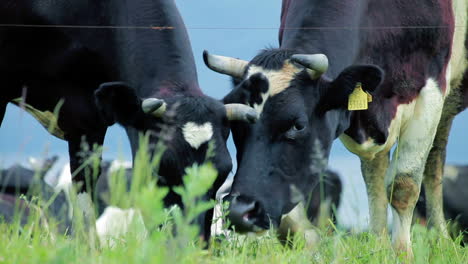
{"x": 226, "y": 28}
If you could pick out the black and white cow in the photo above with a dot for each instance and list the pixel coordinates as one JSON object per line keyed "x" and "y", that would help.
{"x": 410, "y": 56}
{"x": 96, "y": 63}
{"x": 18, "y": 181}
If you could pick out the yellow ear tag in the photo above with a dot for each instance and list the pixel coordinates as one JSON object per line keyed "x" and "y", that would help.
{"x": 358, "y": 99}
{"x": 369, "y": 97}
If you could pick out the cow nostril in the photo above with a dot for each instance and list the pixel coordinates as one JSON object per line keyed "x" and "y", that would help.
{"x": 244, "y": 214}
{"x": 251, "y": 213}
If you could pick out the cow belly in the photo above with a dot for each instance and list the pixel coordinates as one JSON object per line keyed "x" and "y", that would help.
{"x": 415, "y": 119}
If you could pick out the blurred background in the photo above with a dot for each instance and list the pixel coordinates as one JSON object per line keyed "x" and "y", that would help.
{"x": 231, "y": 28}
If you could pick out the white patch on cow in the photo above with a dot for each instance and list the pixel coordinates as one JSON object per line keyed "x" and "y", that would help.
{"x": 369, "y": 148}
{"x": 84, "y": 203}
{"x": 417, "y": 135}
{"x": 296, "y": 221}
{"x": 118, "y": 165}
{"x": 458, "y": 60}
{"x": 64, "y": 181}
{"x": 196, "y": 134}
{"x": 115, "y": 223}
{"x": 418, "y": 131}
{"x": 451, "y": 173}
{"x": 278, "y": 80}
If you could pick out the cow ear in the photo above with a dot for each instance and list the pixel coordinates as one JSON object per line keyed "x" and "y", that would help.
{"x": 249, "y": 91}
{"x": 117, "y": 102}
{"x": 337, "y": 93}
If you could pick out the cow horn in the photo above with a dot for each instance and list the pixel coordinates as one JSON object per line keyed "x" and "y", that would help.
{"x": 317, "y": 63}
{"x": 241, "y": 112}
{"x": 225, "y": 65}
{"x": 154, "y": 106}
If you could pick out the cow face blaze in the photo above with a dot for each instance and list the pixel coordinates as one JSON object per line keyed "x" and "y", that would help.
{"x": 282, "y": 155}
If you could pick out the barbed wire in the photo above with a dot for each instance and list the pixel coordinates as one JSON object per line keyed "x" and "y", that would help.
{"x": 225, "y": 28}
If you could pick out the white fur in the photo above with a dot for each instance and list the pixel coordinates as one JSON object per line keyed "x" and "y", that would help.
{"x": 418, "y": 131}
{"x": 451, "y": 173}
{"x": 119, "y": 164}
{"x": 196, "y": 134}
{"x": 296, "y": 221}
{"x": 416, "y": 137}
{"x": 278, "y": 80}
{"x": 115, "y": 223}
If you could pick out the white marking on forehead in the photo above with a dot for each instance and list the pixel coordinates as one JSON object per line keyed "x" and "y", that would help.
{"x": 278, "y": 80}
{"x": 196, "y": 134}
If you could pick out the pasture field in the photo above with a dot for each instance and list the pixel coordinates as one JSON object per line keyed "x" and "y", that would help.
{"x": 170, "y": 237}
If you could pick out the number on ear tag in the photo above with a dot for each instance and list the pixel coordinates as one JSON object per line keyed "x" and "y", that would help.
{"x": 358, "y": 99}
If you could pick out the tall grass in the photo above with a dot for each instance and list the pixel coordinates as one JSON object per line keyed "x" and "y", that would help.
{"x": 172, "y": 237}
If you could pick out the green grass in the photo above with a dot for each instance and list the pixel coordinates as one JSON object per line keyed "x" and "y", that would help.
{"x": 172, "y": 238}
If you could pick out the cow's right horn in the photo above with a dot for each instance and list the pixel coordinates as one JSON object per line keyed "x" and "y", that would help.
{"x": 241, "y": 112}
{"x": 225, "y": 65}
{"x": 316, "y": 63}
{"x": 154, "y": 106}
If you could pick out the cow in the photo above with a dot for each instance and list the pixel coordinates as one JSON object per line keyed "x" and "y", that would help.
{"x": 455, "y": 181}
{"x": 405, "y": 61}
{"x": 321, "y": 207}
{"x": 18, "y": 181}
{"x": 81, "y": 66}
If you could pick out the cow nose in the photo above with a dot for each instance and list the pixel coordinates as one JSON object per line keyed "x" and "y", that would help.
{"x": 243, "y": 214}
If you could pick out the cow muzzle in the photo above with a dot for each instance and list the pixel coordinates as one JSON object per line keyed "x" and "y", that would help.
{"x": 247, "y": 215}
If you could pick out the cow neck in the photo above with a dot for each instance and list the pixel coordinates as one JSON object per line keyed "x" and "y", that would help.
{"x": 157, "y": 61}
{"x": 334, "y": 15}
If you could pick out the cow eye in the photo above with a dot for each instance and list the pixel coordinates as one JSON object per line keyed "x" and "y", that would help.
{"x": 298, "y": 127}
{"x": 296, "y": 131}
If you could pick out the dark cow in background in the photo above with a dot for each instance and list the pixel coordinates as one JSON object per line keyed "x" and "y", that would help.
{"x": 96, "y": 63}
{"x": 455, "y": 198}
{"x": 18, "y": 181}
{"x": 409, "y": 56}
{"x": 19, "y": 186}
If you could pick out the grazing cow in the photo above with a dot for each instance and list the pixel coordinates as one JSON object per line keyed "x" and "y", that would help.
{"x": 322, "y": 205}
{"x": 421, "y": 48}
{"x": 17, "y": 181}
{"x": 455, "y": 182}
{"x": 96, "y": 63}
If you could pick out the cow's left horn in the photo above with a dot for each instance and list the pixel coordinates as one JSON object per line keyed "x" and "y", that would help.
{"x": 225, "y": 65}
{"x": 317, "y": 63}
{"x": 154, "y": 106}
{"x": 241, "y": 112}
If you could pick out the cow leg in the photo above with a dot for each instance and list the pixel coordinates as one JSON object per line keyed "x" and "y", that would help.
{"x": 80, "y": 148}
{"x": 373, "y": 172}
{"x": 433, "y": 175}
{"x": 407, "y": 166}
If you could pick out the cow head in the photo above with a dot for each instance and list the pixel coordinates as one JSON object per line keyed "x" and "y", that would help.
{"x": 186, "y": 123}
{"x": 301, "y": 112}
